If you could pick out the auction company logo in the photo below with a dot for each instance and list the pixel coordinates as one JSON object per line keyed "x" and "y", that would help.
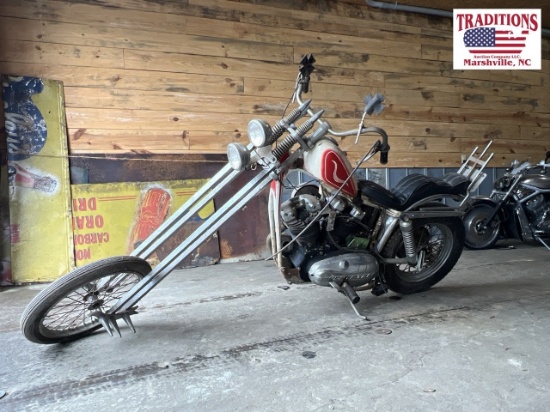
{"x": 496, "y": 39}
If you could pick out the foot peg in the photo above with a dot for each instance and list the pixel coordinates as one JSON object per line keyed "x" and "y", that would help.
{"x": 350, "y": 293}
{"x": 109, "y": 320}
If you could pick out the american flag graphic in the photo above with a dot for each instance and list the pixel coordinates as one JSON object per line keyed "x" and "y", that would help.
{"x": 491, "y": 40}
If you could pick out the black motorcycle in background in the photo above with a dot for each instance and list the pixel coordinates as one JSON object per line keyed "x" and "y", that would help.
{"x": 518, "y": 208}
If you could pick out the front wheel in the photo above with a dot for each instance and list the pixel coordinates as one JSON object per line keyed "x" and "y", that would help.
{"x": 479, "y": 233}
{"x": 62, "y": 312}
{"x": 439, "y": 244}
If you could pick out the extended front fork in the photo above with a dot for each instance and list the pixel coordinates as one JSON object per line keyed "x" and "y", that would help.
{"x": 126, "y": 306}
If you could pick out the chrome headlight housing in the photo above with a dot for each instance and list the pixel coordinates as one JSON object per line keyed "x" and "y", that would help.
{"x": 503, "y": 183}
{"x": 259, "y": 132}
{"x": 238, "y": 156}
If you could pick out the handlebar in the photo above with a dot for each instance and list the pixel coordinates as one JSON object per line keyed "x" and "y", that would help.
{"x": 262, "y": 136}
{"x": 370, "y": 107}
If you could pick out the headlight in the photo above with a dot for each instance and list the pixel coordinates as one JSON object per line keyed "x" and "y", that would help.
{"x": 258, "y": 132}
{"x": 238, "y": 156}
{"x": 503, "y": 183}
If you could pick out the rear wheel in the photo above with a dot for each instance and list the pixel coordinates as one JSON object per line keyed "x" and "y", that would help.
{"x": 439, "y": 245}
{"x": 63, "y": 311}
{"x": 479, "y": 234}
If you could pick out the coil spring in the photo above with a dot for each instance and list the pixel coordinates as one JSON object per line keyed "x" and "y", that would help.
{"x": 276, "y": 132}
{"x": 306, "y": 127}
{"x": 284, "y": 147}
{"x": 408, "y": 241}
{"x": 290, "y": 141}
{"x": 279, "y": 128}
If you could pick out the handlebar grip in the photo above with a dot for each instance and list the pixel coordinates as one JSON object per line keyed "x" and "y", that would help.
{"x": 384, "y": 149}
{"x": 384, "y": 157}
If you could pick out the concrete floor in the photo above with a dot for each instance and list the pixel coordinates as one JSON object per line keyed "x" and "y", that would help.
{"x": 232, "y": 337}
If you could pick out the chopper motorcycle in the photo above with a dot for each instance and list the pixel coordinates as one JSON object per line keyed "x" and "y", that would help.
{"x": 342, "y": 233}
{"x": 518, "y": 208}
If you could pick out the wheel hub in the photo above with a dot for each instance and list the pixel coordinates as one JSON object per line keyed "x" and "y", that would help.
{"x": 480, "y": 227}
{"x": 96, "y": 304}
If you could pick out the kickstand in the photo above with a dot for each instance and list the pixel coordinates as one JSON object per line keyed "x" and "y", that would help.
{"x": 543, "y": 242}
{"x": 352, "y": 296}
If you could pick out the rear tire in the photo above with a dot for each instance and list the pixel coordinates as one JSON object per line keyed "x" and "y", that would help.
{"x": 440, "y": 242}
{"x": 61, "y": 312}
{"x": 477, "y": 238}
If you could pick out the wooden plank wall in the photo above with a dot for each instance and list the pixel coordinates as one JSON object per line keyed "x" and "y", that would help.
{"x": 185, "y": 76}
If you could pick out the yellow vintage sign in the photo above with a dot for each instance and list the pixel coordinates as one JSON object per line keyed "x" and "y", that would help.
{"x": 114, "y": 218}
{"x": 40, "y": 231}
{"x": 50, "y": 230}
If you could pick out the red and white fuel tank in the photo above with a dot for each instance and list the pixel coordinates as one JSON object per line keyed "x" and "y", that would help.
{"x": 329, "y": 164}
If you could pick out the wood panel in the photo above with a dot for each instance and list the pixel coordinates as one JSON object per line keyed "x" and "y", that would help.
{"x": 179, "y": 100}
{"x": 124, "y": 119}
{"x": 69, "y": 55}
{"x": 163, "y": 142}
{"x": 178, "y": 77}
{"x": 464, "y": 115}
{"x": 536, "y": 134}
{"x": 131, "y": 38}
{"x": 302, "y": 20}
{"x": 168, "y": 22}
{"x": 89, "y": 77}
{"x": 454, "y": 85}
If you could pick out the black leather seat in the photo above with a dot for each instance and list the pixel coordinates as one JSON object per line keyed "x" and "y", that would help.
{"x": 412, "y": 189}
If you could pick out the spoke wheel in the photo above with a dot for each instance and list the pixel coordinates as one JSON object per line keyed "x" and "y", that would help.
{"x": 439, "y": 246}
{"x": 63, "y": 311}
{"x": 433, "y": 250}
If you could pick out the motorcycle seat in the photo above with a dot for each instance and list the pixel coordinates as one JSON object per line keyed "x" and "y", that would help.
{"x": 414, "y": 188}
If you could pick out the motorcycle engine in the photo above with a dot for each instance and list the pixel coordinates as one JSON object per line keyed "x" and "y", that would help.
{"x": 333, "y": 248}
{"x": 539, "y": 214}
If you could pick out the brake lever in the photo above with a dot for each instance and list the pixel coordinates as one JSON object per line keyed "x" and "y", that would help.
{"x": 373, "y": 104}
{"x": 360, "y": 128}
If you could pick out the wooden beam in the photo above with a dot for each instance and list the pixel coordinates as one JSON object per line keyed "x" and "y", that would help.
{"x": 71, "y": 55}
{"x": 453, "y": 85}
{"x": 137, "y": 39}
{"x": 160, "y": 120}
{"x": 91, "y": 77}
{"x": 116, "y": 16}
{"x": 465, "y": 115}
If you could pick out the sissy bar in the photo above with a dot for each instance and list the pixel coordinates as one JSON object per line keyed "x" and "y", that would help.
{"x": 472, "y": 169}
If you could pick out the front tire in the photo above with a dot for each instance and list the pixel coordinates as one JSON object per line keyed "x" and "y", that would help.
{"x": 61, "y": 312}
{"x": 478, "y": 238}
{"x": 439, "y": 244}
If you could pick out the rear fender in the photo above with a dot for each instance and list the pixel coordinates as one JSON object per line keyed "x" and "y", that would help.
{"x": 432, "y": 211}
{"x": 485, "y": 200}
